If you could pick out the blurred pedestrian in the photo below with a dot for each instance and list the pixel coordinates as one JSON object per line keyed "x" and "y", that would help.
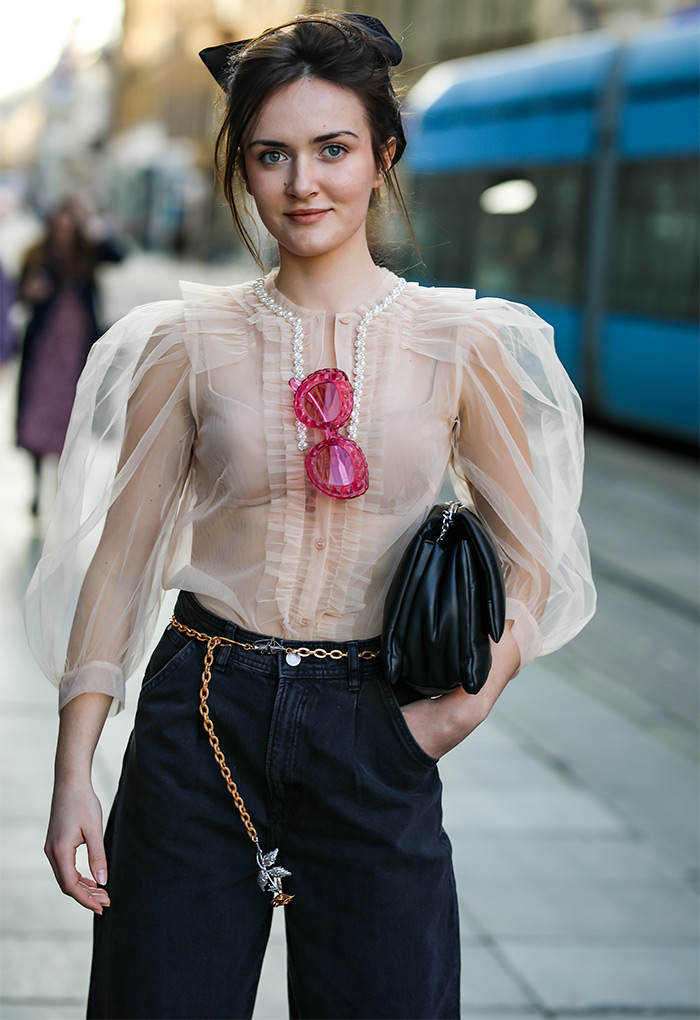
{"x": 284, "y": 547}
{"x": 8, "y": 336}
{"x": 57, "y": 282}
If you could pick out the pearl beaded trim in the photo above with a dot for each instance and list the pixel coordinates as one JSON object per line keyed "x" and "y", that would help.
{"x": 298, "y": 350}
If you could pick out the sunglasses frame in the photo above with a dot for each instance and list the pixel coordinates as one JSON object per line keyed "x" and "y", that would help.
{"x": 343, "y": 386}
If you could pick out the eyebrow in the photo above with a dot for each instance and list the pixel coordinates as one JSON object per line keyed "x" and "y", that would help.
{"x": 314, "y": 141}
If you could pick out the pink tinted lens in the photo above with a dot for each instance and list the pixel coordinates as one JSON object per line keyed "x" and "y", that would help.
{"x": 337, "y": 467}
{"x": 323, "y": 398}
{"x": 322, "y": 403}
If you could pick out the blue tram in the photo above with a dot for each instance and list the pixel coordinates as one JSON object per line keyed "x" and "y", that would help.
{"x": 565, "y": 175}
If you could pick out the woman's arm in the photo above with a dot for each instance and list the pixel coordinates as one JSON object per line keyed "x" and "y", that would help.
{"x": 119, "y": 586}
{"x": 76, "y": 815}
{"x": 518, "y": 460}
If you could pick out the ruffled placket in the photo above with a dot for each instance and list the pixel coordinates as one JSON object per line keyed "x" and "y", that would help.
{"x": 291, "y": 498}
{"x": 315, "y": 543}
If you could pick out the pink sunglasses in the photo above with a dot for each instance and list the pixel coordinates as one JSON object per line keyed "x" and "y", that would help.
{"x": 336, "y": 466}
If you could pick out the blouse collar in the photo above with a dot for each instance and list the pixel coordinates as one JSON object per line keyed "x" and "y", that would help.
{"x": 385, "y": 287}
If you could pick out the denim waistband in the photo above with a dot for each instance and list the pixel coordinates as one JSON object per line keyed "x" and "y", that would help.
{"x": 190, "y": 611}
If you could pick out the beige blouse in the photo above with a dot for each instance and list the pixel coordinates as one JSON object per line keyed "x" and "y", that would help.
{"x": 181, "y": 470}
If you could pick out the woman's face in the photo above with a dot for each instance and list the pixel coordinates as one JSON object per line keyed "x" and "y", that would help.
{"x": 63, "y": 228}
{"x": 310, "y": 168}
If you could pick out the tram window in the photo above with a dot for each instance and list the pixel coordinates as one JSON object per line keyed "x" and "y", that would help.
{"x": 533, "y": 253}
{"x": 654, "y": 250}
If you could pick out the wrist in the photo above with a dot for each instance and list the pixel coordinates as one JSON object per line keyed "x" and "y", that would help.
{"x": 73, "y": 770}
{"x": 470, "y": 709}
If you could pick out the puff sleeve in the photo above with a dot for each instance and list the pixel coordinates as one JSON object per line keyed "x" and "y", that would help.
{"x": 94, "y": 597}
{"x": 518, "y": 459}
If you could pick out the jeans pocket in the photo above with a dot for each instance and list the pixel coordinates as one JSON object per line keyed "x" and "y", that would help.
{"x": 401, "y": 728}
{"x": 168, "y": 656}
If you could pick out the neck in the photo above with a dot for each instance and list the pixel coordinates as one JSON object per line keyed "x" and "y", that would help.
{"x": 330, "y": 283}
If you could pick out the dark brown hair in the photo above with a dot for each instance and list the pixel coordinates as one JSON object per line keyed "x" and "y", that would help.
{"x": 328, "y": 47}
{"x": 74, "y": 262}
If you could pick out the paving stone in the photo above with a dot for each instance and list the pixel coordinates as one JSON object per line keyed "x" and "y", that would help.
{"x": 41, "y": 967}
{"x": 562, "y": 855}
{"x": 527, "y": 810}
{"x": 33, "y": 903}
{"x": 48, "y": 1009}
{"x": 271, "y": 1001}
{"x": 485, "y": 982}
{"x": 609, "y": 974}
{"x": 633, "y": 772}
{"x": 586, "y": 908}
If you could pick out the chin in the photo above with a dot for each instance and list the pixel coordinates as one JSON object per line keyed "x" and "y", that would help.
{"x": 315, "y": 246}
{"x": 308, "y": 248}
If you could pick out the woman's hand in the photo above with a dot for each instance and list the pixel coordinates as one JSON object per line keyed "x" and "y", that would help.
{"x": 76, "y": 814}
{"x": 37, "y": 286}
{"x": 439, "y": 724}
{"x": 76, "y": 818}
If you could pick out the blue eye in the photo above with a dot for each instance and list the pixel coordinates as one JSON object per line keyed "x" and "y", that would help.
{"x": 272, "y": 157}
{"x": 334, "y": 150}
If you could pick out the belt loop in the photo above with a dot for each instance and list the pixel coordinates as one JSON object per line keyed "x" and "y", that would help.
{"x": 353, "y": 667}
{"x": 225, "y": 650}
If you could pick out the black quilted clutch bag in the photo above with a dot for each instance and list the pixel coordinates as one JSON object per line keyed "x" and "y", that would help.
{"x": 447, "y": 597}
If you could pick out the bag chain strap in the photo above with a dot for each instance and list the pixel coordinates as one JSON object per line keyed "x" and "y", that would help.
{"x": 271, "y": 874}
{"x": 447, "y": 518}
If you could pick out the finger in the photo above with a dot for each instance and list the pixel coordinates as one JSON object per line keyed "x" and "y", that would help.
{"x": 70, "y": 880}
{"x": 96, "y": 894}
{"x": 96, "y": 855}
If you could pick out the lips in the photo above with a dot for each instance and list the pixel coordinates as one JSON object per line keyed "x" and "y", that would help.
{"x": 306, "y": 215}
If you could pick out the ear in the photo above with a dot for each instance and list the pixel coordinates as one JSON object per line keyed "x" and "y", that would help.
{"x": 386, "y": 157}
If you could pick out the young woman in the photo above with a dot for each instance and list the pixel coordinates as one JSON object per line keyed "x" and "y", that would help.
{"x": 283, "y": 547}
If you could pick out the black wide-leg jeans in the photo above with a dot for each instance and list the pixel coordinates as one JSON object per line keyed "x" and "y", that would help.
{"x": 331, "y": 775}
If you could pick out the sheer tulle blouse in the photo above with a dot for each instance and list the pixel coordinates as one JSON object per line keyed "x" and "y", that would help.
{"x": 181, "y": 470}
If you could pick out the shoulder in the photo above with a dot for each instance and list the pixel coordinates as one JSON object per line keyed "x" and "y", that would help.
{"x": 453, "y": 324}
{"x": 149, "y": 335}
{"x": 441, "y": 301}
{"x": 235, "y": 299}
{"x": 448, "y": 302}
{"x": 156, "y": 315}
{"x": 219, "y": 322}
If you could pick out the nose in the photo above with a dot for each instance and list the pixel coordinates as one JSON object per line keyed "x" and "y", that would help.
{"x": 302, "y": 180}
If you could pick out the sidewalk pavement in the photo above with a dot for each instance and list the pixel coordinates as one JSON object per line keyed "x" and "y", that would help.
{"x": 572, "y": 810}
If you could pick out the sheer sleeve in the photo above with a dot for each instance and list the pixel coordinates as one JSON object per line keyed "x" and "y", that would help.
{"x": 518, "y": 459}
{"x": 94, "y": 597}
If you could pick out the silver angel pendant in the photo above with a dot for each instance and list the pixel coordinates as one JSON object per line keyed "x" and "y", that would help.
{"x": 270, "y": 877}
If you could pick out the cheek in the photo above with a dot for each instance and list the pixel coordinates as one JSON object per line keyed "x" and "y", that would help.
{"x": 356, "y": 184}
{"x": 261, "y": 187}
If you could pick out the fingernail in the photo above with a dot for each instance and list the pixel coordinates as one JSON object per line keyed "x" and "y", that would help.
{"x": 102, "y": 876}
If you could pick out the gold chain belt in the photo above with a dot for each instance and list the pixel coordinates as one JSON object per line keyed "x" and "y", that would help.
{"x": 271, "y": 874}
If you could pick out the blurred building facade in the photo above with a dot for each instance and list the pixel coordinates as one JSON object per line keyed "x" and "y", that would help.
{"x": 431, "y": 32}
{"x": 446, "y": 29}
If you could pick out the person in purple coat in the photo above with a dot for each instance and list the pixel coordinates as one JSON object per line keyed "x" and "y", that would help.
{"x": 57, "y": 281}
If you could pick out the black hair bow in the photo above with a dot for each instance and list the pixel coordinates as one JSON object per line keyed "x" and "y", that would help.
{"x": 217, "y": 59}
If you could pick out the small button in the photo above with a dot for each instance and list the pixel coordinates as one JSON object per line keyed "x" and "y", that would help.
{"x": 305, "y": 621}
{"x": 320, "y": 543}
{"x": 345, "y": 319}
